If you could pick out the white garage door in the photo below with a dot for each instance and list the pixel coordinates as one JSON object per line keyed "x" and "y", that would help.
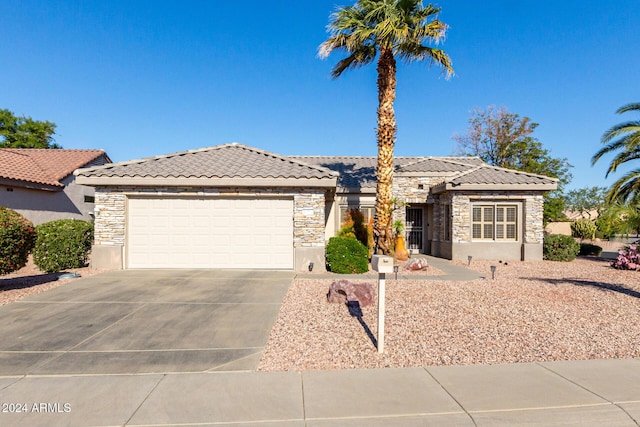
{"x": 210, "y": 233}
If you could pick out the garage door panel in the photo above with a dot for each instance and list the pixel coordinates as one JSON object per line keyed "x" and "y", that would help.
{"x": 210, "y": 233}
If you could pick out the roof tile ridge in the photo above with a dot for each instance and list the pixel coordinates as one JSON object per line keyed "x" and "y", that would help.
{"x": 519, "y": 172}
{"x": 52, "y": 179}
{"x": 464, "y": 173}
{"x": 145, "y": 159}
{"x": 287, "y": 159}
{"x": 418, "y": 159}
{"x": 14, "y": 151}
{"x": 452, "y": 159}
{"x": 281, "y": 157}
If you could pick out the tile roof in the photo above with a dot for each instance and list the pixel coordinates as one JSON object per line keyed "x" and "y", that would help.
{"x": 355, "y": 171}
{"x": 360, "y": 171}
{"x": 44, "y": 166}
{"x": 441, "y": 164}
{"x": 223, "y": 161}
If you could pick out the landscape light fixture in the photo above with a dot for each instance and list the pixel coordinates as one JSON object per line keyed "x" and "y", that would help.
{"x": 310, "y": 266}
{"x": 493, "y": 272}
{"x": 469, "y": 259}
{"x": 395, "y": 270}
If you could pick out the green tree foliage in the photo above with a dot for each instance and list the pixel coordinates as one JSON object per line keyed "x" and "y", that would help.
{"x": 62, "y": 244}
{"x": 623, "y": 138}
{"x": 586, "y": 201}
{"x": 386, "y": 30}
{"x": 17, "y": 237}
{"x": 24, "y": 132}
{"x": 505, "y": 139}
{"x": 620, "y": 218}
{"x": 553, "y": 209}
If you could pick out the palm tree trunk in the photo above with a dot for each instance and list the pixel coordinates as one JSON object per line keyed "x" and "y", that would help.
{"x": 386, "y": 141}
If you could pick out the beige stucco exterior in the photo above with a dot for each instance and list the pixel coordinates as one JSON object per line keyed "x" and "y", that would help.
{"x": 40, "y": 206}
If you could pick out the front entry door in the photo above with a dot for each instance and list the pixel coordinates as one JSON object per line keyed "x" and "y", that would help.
{"x": 415, "y": 230}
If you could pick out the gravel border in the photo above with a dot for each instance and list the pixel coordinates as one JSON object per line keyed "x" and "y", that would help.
{"x": 532, "y": 311}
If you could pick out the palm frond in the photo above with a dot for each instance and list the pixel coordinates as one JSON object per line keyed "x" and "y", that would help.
{"x": 611, "y": 147}
{"x": 626, "y": 188}
{"x": 632, "y": 128}
{"x": 404, "y": 26}
{"x": 622, "y": 158}
{"x": 634, "y": 106}
{"x": 360, "y": 57}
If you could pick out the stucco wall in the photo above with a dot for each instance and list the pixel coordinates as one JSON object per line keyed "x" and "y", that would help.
{"x": 308, "y": 217}
{"x": 40, "y": 206}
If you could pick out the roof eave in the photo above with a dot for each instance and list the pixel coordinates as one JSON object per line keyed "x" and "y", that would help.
{"x": 448, "y": 186}
{"x": 355, "y": 190}
{"x": 30, "y": 185}
{"x": 107, "y": 181}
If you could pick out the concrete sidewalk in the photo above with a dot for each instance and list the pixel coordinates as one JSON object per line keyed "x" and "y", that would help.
{"x": 577, "y": 393}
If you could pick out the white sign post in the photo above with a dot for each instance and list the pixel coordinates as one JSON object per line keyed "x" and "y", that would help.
{"x": 382, "y": 264}
{"x": 381, "y": 298}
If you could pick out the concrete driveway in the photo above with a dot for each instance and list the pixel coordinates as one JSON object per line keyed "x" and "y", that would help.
{"x": 144, "y": 321}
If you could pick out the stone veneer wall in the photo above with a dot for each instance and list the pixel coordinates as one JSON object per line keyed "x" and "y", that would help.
{"x": 531, "y": 213}
{"x": 406, "y": 189}
{"x": 308, "y": 210}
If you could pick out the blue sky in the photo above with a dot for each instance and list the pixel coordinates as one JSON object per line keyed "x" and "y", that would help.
{"x": 142, "y": 78}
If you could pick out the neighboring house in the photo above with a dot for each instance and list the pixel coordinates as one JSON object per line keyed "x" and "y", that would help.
{"x": 233, "y": 206}
{"x": 40, "y": 185}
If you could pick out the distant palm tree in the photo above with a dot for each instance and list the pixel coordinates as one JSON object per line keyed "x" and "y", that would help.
{"x": 385, "y": 29}
{"x": 628, "y": 147}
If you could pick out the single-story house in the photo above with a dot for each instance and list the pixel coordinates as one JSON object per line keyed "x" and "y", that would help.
{"x": 234, "y": 206}
{"x": 40, "y": 184}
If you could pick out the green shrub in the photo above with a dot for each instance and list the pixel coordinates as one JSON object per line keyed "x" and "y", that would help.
{"x": 62, "y": 244}
{"x": 587, "y": 249}
{"x": 584, "y": 229}
{"x": 558, "y": 247}
{"x": 17, "y": 237}
{"x": 346, "y": 255}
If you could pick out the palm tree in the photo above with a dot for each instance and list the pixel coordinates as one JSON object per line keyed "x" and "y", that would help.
{"x": 628, "y": 146}
{"x": 386, "y": 29}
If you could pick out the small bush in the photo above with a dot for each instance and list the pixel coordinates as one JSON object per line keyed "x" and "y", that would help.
{"x": 628, "y": 259}
{"x": 558, "y": 247}
{"x": 17, "y": 237}
{"x": 584, "y": 229}
{"x": 62, "y": 244}
{"x": 587, "y": 249}
{"x": 346, "y": 255}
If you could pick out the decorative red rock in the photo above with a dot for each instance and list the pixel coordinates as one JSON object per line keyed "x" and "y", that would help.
{"x": 344, "y": 291}
{"x": 416, "y": 264}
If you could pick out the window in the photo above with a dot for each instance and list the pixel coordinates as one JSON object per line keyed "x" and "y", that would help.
{"x": 89, "y": 199}
{"x": 367, "y": 211}
{"x": 494, "y": 222}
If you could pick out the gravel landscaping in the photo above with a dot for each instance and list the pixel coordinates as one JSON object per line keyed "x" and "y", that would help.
{"x": 532, "y": 311}
{"x": 29, "y": 280}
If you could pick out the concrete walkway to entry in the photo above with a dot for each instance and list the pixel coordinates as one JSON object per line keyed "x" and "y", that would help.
{"x": 451, "y": 272}
{"x": 581, "y": 393}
